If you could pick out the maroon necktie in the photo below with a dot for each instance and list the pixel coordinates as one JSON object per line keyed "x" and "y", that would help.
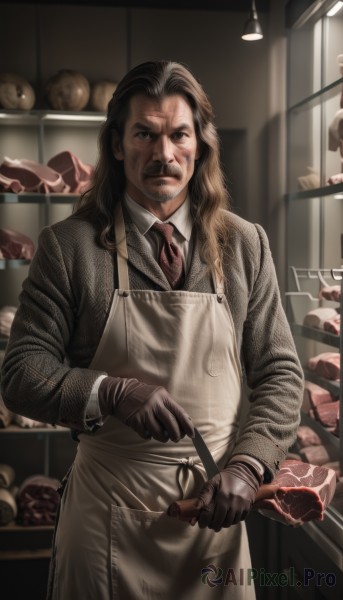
{"x": 170, "y": 259}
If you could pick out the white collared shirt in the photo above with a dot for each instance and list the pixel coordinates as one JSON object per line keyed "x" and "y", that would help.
{"x": 181, "y": 219}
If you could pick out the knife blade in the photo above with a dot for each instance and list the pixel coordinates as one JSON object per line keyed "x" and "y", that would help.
{"x": 205, "y": 455}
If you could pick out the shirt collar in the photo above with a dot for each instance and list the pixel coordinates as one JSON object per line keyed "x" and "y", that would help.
{"x": 143, "y": 219}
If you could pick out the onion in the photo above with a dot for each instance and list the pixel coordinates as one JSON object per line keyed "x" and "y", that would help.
{"x": 16, "y": 92}
{"x": 67, "y": 90}
{"x": 101, "y": 94}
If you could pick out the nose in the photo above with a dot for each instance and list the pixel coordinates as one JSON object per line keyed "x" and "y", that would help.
{"x": 163, "y": 150}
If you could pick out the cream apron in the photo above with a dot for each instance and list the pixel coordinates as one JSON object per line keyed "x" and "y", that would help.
{"x": 114, "y": 539}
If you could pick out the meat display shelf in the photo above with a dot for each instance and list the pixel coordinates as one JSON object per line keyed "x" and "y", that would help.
{"x": 34, "y": 117}
{"x": 316, "y": 334}
{"x": 328, "y": 533}
{"x": 327, "y": 190}
{"x": 326, "y": 435}
{"x": 21, "y": 542}
{"x": 315, "y": 97}
{"x": 48, "y": 451}
{"x": 306, "y": 283}
{"x": 36, "y": 198}
{"x": 332, "y": 386}
{"x": 30, "y": 554}
{"x": 51, "y": 451}
{"x": 15, "y": 429}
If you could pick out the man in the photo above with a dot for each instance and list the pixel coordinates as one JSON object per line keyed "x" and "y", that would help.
{"x": 133, "y": 357}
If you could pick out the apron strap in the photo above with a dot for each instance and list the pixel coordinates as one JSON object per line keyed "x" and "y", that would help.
{"x": 218, "y": 278}
{"x": 122, "y": 255}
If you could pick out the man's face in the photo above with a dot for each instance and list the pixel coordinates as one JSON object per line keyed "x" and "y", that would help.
{"x": 159, "y": 148}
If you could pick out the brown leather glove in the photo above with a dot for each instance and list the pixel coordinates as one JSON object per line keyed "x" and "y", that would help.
{"x": 229, "y": 496}
{"x": 148, "y": 409}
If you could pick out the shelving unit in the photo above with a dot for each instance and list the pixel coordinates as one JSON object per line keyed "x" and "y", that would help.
{"x": 41, "y": 450}
{"x": 323, "y": 338}
{"x": 46, "y": 451}
{"x": 314, "y": 228}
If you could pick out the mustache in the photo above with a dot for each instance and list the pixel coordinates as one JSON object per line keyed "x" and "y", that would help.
{"x": 166, "y": 170}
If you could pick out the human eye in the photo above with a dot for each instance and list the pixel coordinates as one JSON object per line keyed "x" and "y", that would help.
{"x": 179, "y": 135}
{"x": 144, "y": 135}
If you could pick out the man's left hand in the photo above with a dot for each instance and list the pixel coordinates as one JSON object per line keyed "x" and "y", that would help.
{"x": 228, "y": 497}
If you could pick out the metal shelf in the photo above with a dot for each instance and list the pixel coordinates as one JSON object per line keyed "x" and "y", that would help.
{"x": 25, "y": 554}
{"x": 3, "y": 343}
{"x": 327, "y": 190}
{"x": 316, "y": 96}
{"x": 16, "y": 430}
{"x": 13, "y": 263}
{"x": 316, "y": 334}
{"x": 50, "y": 117}
{"x": 25, "y": 542}
{"x": 32, "y": 198}
{"x": 318, "y": 428}
{"x": 328, "y": 384}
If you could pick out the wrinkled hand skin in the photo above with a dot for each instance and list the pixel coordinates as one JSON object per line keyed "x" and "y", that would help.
{"x": 229, "y": 496}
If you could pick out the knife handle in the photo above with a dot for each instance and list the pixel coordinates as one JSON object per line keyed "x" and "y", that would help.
{"x": 189, "y": 510}
{"x": 186, "y": 510}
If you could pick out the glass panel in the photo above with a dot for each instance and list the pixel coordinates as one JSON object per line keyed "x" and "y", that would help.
{"x": 314, "y": 230}
{"x": 303, "y": 230}
{"x": 304, "y": 75}
{"x": 304, "y": 164}
{"x": 333, "y": 135}
{"x": 332, "y": 47}
{"x": 311, "y": 162}
{"x": 332, "y": 229}
{"x": 315, "y": 219}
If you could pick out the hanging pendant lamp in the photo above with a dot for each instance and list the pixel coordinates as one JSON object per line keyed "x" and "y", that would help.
{"x": 252, "y": 28}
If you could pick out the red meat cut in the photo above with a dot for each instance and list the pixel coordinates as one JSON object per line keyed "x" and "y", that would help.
{"x": 319, "y": 316}
{"x": 76, "y": 174}
{"x": 327, "y": 414}
{"x": 307, "y": 437}
{"x": 8, "y": 184}
{"x": 15, "y": 245}
{"x": 302, "y": 493}
{"x": 38, "y": 500}
{"x": 333, "y": 325}
{"x": 331, "y": 292}
{"x": 299, "y": 492}
{"x": 314, "y": 395}
{"x": 315, "y": 455}
{"x": 33, "y": 176}
{"x": 326, "y": 364}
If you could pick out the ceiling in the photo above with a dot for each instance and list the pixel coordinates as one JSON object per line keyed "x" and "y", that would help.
{"x": 233, "y": 5}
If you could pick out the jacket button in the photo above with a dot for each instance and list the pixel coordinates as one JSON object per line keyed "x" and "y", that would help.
{"x": 220, "y": 298}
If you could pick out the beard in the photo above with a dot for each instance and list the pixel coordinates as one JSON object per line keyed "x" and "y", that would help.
{"x": 163, "y": 194}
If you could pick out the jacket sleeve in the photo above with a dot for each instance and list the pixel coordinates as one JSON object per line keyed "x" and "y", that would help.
{"x": 273, "y": 372}
{"x": 36, "y": 379}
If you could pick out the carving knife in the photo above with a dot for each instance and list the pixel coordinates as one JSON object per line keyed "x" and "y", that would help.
{"x": 205, "y": 455}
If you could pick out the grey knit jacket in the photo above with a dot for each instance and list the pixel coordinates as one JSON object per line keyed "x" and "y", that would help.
{"x": 65, "y": 302}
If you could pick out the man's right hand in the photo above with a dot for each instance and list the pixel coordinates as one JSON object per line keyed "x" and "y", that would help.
{"x": 147, "y": 409}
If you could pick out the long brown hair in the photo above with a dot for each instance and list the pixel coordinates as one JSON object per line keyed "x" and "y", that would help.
{"x": 207, "y": 188}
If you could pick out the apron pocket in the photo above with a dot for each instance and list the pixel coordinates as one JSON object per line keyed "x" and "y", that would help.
{"x": 144, "y": 546}
{"x": 155, "y": 557}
